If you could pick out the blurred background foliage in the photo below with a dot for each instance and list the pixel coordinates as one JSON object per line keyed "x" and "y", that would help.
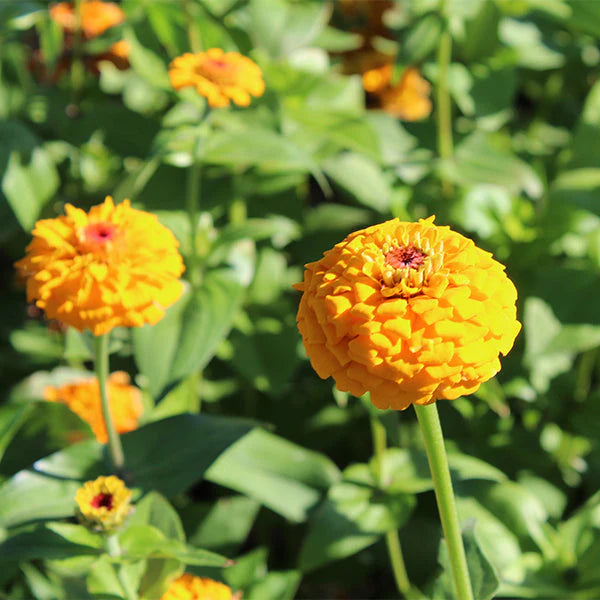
{"x": 272, "y": 468}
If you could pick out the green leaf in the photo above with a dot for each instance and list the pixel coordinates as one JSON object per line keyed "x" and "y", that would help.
{"x": 421, "y": 40}
{"x": 12, "y": 416}
{"x": 362, "y": 178}
{"x": 226, "y": 525}
{"x": 354, "y": 516}
{"x": 146, "y": 63}
{"x": 145, "y": 541}
{"x": 277, "y": 585}
{"x": 281, "y": 475}
{"x": 484, "y": 580}
{"x": 155, "y": 510}
{"x": 170, "y": 455}
{"x": 188, "y": 336}
{"x": 51, "y": 541}
{"x": 258, "y": 147}
{"x": 29, "y": 184}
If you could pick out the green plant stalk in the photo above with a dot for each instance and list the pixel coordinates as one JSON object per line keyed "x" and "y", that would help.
{"x": 101, "y": 363}
{"x": 442, "y": 483}
{"x": 114, "y": 550}
{"x": 192, "y": 201}
{"x": 77, "y": 66}
{"x": 392, "y": 539}
{"x": 443, "y": 101}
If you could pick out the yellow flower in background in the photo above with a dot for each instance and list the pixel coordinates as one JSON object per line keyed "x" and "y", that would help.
{"x": 219, "y": 76}
{"x": 190, "y": 587}
{"x": 410, "y": 312}
{"x": 96, "y": 16}
{"x": 114, "y": 266}
{"x": 83, "y": 398}
{"x": 104, "y": 503}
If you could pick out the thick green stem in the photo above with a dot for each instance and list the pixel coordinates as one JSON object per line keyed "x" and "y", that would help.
{"x": 114, "y": 442}
{"x": 440, "y": 473}
{"x": 392, "y": 538}
{"x": 193, "y": 197}
{"x": 444, "y": 105}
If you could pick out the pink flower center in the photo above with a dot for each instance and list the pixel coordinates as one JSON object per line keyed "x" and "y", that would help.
{"x": 405, "y": 256}
{"x": 102, "y": 500}
{"x": 99, "y": 233}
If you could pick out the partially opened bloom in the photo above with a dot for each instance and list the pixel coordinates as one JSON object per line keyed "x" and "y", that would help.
{"x": 114, "y": 266}
{"x": 219, "y": 76}
{"x": 190, "y": 587}
{"x": 96, "y": 16}
{"x": 103, "y": 504}
{"x": 83, "y": 398}
{"x": 410, "y": 312}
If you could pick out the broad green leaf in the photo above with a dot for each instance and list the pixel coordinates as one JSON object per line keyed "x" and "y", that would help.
{"x": 146, "y": 63}
{"x": 28, "y": 184}
{"x": 362, "y": 178}
{"x": 484, "y": 580}
{"x": 170, "y": 455}
{"x": 281, "y": 475}
{"x": 145, "y": 541}
{"x": 354, "y": 516}
{"x": 153, "y": 509}
{"x": 188, "y": 336}
{"x": 226, "y": 524}
{"x": 277, "y": 585}
{"x": 12, "y": 417}
{"x": 51, "y": 541}
{"x": 421, "y": 40}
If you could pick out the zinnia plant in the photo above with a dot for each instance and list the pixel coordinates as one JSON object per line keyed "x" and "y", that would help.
{"x": 104, "y": 503}
{"x": 411, "y": 313}
{"x": 114, "y": 266}
{"x": 191, "y": 587}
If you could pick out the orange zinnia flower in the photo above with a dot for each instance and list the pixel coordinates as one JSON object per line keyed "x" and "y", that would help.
{"x": 96, "y": 16}
{"x": 83, "y": 398}
{"x": 114, "y": 266}
{"x": 410, "y": 312}
{"x": 218, "y": 76}
{"x": 408, "y": 99}
{"x": 103, "y": 504}
{"x": 190, "y": 587}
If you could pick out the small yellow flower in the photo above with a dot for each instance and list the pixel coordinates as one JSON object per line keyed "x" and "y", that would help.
{"x": 219, "y": 76}
{"x": 114, "y": 266}
{"x": 83, "y": 398}
{"x": 410, "y": 312}
{"x": 96, "y": 16}
{"x": 190, "y": 587}
{"x": 104, "y": 503}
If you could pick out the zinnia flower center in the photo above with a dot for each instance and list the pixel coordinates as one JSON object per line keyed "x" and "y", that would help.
{"x": 99, "y": 233}
{"x": 218, "y": 70}
{"x": 405, "y": 256}
{"x": 102, "y": 500}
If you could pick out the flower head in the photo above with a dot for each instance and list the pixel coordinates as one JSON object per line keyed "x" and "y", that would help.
{"x": 114, "y": 266}
{"x": 83, "y": 398}
{"x": 410, "y": 312}
{"x": 104, "y": 503}
{"x": 96, "y": 16}
{"x": 219, "y": 76}
{"x": 190, "y": 587}
{"x": 408, "y": 99}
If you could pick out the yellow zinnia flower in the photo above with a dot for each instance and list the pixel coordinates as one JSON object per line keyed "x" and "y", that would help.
{"x": 83, "y": 398}
{"x": 114, "y": 266}
{"x": 190, "y": 587}
{"x": 96, "y": 16}
{"x": 104, "y": 503}
{"x": 410, "y": 312}
{"x": 219, "y": 76}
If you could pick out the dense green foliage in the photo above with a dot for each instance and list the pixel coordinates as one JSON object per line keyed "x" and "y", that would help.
{"x": 243, "y": 452}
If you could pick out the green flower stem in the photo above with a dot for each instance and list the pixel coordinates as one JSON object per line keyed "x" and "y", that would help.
{"x": 440, "y": 473}
{"x": 114, "y": 442}
{"x": 392, "y": 538}
{"x": 444, "y": 106}
{"x": 77, "y": 66}
{"x": 193, "y": 198}
{"x": 114, "y": 550}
